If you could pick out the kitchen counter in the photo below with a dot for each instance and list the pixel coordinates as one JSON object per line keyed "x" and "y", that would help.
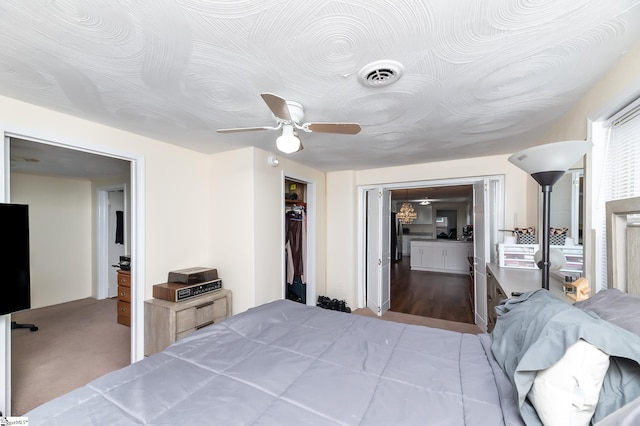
{"x": 448, "y": 256}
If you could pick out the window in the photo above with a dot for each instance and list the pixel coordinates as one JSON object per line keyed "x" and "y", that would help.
{"x": 616, "y": 173}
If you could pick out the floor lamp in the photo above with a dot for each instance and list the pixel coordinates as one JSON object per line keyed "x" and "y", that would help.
{"x": 547, "y": 164}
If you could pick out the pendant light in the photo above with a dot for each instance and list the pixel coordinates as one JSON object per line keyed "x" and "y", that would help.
{"x": 407, "y": 214}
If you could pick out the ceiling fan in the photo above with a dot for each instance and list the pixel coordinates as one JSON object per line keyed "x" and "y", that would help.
{"x": 289, "y": 116}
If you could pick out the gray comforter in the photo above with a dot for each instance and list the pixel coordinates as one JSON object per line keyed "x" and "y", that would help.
{"x": 533, "y": 332}
{"x": 284, "y": 363}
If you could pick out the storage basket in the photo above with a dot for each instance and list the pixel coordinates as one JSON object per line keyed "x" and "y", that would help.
{"x": 525, "y": 235}
{"x": 525, "y": 238}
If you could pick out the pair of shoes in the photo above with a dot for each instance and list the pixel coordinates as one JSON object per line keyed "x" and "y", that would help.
{"x": 342, "y": 307}
{"x": 333, "y": 304}
{"x": 324, "y": 302}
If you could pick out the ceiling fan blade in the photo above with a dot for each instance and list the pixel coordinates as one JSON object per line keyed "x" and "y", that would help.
{"x": 244, "y": 129}
{"x": 277, "y": 105}
{"x": 342, "y": 128}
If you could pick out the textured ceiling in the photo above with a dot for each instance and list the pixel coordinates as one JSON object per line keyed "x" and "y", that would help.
{"x": 479, "y": 77}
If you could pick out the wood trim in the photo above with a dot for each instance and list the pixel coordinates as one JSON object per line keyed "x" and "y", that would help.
{"x": 617, "y": 244}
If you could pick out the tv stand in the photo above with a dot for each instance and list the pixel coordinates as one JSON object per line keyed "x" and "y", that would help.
{"x": 31, "y": 327}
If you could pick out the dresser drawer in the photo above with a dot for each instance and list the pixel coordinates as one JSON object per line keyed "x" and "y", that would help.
{"x": 124, "y": 279}
{"x": 200, "y": 315}
{"x": 124, "y": 293}
{"x": 124, "y": 308}
{"x": 124, "y": 313}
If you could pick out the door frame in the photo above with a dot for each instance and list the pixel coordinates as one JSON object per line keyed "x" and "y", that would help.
{"x": 137, "y": 182}
{"x": 310, "y": 267}
{"x": 494, "y": 210}
{"x": 102, "y": 236}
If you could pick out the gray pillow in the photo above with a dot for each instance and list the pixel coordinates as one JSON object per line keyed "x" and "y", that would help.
{"x": 615, "y": 306}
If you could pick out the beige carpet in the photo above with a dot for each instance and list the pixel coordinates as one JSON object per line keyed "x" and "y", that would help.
{"x": 418, "y": 320}
{"x": 76, "y": 342}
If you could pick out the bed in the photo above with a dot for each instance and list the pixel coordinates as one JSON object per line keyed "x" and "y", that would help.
{"x": 286, "y": 363}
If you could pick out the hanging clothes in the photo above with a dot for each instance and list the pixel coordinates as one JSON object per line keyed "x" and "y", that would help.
{"x": 119, "y": 227}
{"x": 296, "y": 242}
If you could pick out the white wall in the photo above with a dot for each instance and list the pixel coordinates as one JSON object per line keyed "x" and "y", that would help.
{"x": 60, "y": 231}
{"x": 342, "y": 236}
{"x": 176, "y": 183}
{"x": 248, "y": 224}
{"x": 232, "y": 238}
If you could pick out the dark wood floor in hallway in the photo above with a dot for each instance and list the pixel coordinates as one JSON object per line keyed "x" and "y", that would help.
{"x": 430, "y": 294}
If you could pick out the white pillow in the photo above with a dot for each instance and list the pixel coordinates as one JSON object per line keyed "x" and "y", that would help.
{"x": 566, "y": 393}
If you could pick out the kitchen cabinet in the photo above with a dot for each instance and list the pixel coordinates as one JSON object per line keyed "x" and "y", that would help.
{"x": 407, "y": 238}
{"x": 441, "y": 256}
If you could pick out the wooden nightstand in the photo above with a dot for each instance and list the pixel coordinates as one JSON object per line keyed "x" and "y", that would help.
{"x": 165, "y": 321}
{"x": 124, "y": 297}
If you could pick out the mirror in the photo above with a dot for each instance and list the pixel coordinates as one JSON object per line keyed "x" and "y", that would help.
{"x": 566, "y": 205}
{"x": 623, "y": 244}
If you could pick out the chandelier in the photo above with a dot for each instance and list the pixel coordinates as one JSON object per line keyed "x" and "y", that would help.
{"x": 407, "y": 214}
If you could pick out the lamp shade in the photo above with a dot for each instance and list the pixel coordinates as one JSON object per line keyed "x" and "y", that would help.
{"x": 557, "y": 260}
{"x": 547, "y": 163}
{"x": 288, "y": 142}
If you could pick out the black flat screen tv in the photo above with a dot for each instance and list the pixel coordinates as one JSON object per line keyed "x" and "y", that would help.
{"x": 14, "y": 266}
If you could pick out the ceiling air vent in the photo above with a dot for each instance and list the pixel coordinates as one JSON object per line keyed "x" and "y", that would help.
{"x": 380, "y": 73}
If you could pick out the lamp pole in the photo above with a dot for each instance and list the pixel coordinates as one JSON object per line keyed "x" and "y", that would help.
{"x": 546, "y": 214}
{"x": 546, "y": 181}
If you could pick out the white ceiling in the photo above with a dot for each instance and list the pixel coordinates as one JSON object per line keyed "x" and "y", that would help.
{"x": 479, "y": 78}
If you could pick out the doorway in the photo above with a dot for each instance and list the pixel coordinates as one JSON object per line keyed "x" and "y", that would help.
{"x": 298, "y": 238}
{"x": 481, "y": 217}
{"x": 64, "y": 162}
{"x": 112, "y": 218}
{"x": 420, "y": 277}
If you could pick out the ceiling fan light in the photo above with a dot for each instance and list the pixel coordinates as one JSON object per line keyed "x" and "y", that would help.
{"x": 288, "y": 142}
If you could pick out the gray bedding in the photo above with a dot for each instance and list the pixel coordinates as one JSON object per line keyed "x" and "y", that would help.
{"x": 284, "y": 363}
{"x": 534, "y": 330}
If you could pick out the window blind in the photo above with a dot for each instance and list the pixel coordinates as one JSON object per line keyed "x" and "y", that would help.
{"x": 620, "y": 172}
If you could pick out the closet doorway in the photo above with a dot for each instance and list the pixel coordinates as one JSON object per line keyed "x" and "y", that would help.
{"x": 299, "y": 239}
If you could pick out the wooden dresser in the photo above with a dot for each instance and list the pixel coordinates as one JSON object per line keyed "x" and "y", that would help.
{"x": 502, "y": 283}
{"x": 165, "y": 321}
{"x": 124, "y": 297}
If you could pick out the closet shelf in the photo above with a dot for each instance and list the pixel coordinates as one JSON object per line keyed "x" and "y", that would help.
{"x": 296, "y": 202}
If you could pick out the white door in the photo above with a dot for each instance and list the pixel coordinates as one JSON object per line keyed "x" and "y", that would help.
{"x": 481, "y": 251}
{"x": 378, "y": 249}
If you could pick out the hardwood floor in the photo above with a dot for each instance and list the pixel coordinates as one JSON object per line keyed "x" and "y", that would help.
{"x": 430, "y": 294}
